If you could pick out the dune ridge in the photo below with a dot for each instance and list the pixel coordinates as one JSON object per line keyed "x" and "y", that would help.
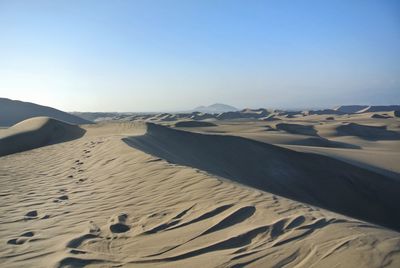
{"x": 306, "y": 177}
{"x": 367, "y": 132}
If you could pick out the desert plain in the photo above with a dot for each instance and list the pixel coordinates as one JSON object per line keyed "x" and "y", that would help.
{"x": 282, "y": 190}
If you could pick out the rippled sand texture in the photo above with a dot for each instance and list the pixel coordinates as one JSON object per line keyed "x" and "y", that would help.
{"x": 98, "y": 202}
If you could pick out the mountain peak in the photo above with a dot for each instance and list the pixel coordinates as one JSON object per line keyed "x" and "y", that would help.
{"x": 216, "y": 108}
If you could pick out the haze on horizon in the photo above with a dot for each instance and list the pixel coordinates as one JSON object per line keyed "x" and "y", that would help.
{"x": 175, "y": 55}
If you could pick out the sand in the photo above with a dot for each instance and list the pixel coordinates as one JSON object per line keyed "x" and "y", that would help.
{"x": 194, "y": 124}
{"x": 36, "y": 132}
{"x": 124, "y": 195}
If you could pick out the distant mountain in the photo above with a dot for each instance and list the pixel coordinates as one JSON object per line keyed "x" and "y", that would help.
{"x": 216, "y": 108}
{"x": 13, "y": 111}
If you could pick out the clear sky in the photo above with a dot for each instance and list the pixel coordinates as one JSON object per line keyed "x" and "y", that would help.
{"x": 174, "y": 55}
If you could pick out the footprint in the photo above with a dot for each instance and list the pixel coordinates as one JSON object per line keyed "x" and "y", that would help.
{"x": 17, "y": 241}
{"x": 31, "y": 215}
{"x": 61, "y": 198}
{"x": 28, "y": 234}
{"x": 22, "y": 239}
{"x": 92, "y": 232}
{"x": 77, "y": 251}
{"x": 93, "y": 228}
{"x": 118, "y": 224}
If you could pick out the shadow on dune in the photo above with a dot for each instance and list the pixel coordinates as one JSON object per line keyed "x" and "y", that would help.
{"x": 366, "y": 132}
{"x": 37, "y": 132}
{"x": 297, "y": 129}
{"x": 305, "y": 177}
{"x": 194, "y": 124}
{"x": 314, "y": 139}
{"x": 322, "y": 142}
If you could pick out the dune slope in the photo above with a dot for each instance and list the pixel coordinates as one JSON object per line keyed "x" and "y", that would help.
{"x": 97, "y": 202}
{"x": 305, "y": 177}
{"x": 194, "y": 124}
{"x": 36, "y": 132}
{"x": 367, "y": 132}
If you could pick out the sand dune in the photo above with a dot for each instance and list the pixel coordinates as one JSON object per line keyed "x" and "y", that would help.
{"x": 297, "y": 129}
{"x": 309, "y": 178}
{"x": 244, "y": 114}
{"x": 350, "y": 109}
{"x": 194, "y": 124}
{"x": 321, "y": 142}
{"x": 367, "y": 132}
{"x": 13, "y": 111}
{"x": 234, "y": 114}
{"x": 381, "y": 116}
{"x": 97, "y": 202}
{"x": 271, "y": 117}
{"x": 325, "y": 112}
{"x": 381, "y": 108}
{"x": 36, "y": 132}
{"x": 315, "y": 140}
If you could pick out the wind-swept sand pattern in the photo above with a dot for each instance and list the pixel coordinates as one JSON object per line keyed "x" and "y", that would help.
{"x": 98, "y": 202}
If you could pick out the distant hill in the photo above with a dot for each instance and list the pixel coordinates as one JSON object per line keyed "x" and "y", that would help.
{"x": 13, "y": 111}
{"x": 216, "y": 108}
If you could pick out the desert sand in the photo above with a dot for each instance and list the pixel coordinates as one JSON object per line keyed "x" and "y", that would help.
{"x": 292, "y": 192}
{"x": 36, "y": 132}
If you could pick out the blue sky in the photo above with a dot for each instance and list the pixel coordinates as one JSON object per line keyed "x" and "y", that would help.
{"x": 174, "y": 55}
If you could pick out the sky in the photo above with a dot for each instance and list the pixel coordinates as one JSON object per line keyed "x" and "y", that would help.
{"x": 167, "y": 55}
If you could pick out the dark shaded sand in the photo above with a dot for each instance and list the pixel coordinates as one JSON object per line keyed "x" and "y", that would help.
{"x": 37, "y": 132}
{"x": 297, "y": 129}
{"x": 381, "y": 116}
{"x": 306, "y": 177}
{"x": 367, "y": 132}
{"x": 194, "y": 124}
